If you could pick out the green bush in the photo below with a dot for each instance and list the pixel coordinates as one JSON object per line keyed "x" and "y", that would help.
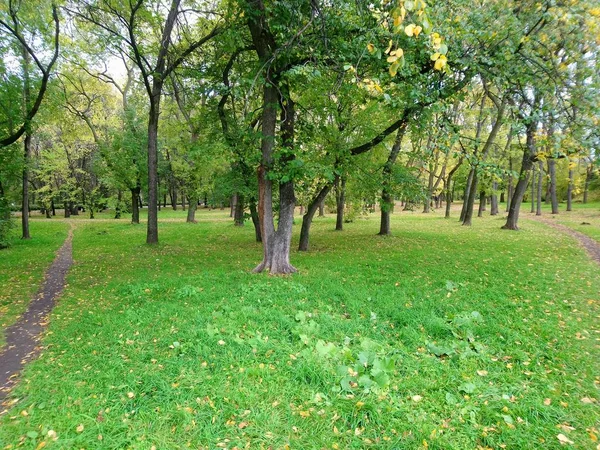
{"x": 6, "y": 222}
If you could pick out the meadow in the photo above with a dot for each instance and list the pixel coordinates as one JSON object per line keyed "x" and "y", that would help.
{"x": 438, "y": 337}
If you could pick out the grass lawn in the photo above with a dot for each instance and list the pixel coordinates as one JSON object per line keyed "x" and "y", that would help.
{"x": 439, "y": 337}
{"x": 22, "y": 267}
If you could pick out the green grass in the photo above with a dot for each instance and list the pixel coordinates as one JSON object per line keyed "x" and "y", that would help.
{"x": 22, "y": 268}
{"x": 471, "y": 337}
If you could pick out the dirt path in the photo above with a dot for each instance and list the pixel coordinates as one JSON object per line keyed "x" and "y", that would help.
{"x": 591, "y": 246}
{"x": 23, "y": 337}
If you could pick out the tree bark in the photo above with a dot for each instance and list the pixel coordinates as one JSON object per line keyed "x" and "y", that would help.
{"x": 192, "y": 207}
{"x": 322, "y": 208}
{"x": 387, "y": 200}
{"x": 238, "y": 217}
{"x": 494, "y": 201}
{"x": 526, "y": 166}
{"x": 466, "y": 195}
{"x": 533, "y": 189}
{"x": 470, "y": 201}
{"x": 340, "y": 200}
{"x": 118, "y": 206}
{"x": 25, "y": 200}
{"x": 540, "y": 180}
{"x": 255, "y": 220}
{"x": 588, "y": 178}
{"x": 510, "y": 190}
{"x": 135, "y": 206}
{"x": 553, "y": 196}
{"x": 570, "y": 191}
{"x": 311, "y": 209}
{"x": 481, "y": 204}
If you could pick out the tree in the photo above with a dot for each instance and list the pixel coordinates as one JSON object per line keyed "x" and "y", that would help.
{"x": 129, "y": 25}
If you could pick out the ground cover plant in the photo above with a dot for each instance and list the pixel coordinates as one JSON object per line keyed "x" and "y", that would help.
{"x": 22, "y": 268}
{"x": 438, "y": 336}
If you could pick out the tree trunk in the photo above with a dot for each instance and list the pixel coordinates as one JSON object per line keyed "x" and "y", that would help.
{"x": 255, "y": 220}
{"x": 533, "y": 189}
{"x": 494, "y": 201}
{"x": 192, "y": 207}
{"x": 240, "y": 206}
{"x": 152, "y": 227}
{"x": 340, "y": 200}
{"x": 481, "y": 204}
{"x": 552, "y": 173}
{"x": 276, "y": 243}
{"x": 570, "y": 191}
{"x": 471, "y": 200}
{"x": 387, "y": 200}
{"x": 466, "y": 195}
{"x": 67, "y": 210}
{"x": 118, "y": 206}
{"x": 322, "y": 208}
{"x": 311, "y": 209}
{"x": 588, "y": 178}
{"x": 25, "y": 203}
{"x": 521, "y": 187}
{"x": 183, "y": 200}
{"x": 540, "y": 180}
{"x": 232, "y": 205}
{"x": 509, "y": 195}
{"x": 135, "y": 206}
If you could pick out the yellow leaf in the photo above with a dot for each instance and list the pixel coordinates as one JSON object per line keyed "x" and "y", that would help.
{"x": 371, "y": 48}
{"x": 410, "y": 30}
{"x": 417, "y": 30}
{"x": 41, "y": 445}
{"x": 564, "y": 440}
{"x": 387, "y": 50}
{"x": 440, "y": 63}
{"x": 392, "y": 59}
{"x": 398, "y": 21}
{"x": 435, "y": 56}
{"x": 79, "y": 428}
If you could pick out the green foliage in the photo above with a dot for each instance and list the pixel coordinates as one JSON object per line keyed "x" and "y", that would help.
{"x": 6, "y": 223}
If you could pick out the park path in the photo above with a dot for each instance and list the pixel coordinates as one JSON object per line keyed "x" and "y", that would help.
{"x": 22, "y": 338}
{"x": 590, "y": 245}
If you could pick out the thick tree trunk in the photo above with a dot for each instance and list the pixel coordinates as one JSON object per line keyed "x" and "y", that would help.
{"x": 494, "y": 201}
{"x": 311, "y": 209}
{"x": 192, "y": 207}
{"x": 67, "y": 210}
{"x": 540, "y": 180}
{"x": 387, "y": 200}
{"x": 135, "y": 206}
{"x": 340, "y": 200}
{"x": 553, "y": 196}
{"x": 25, "y": 201}
{"x": 276, "y": 244}
{"x": 322, "y": 208}
{"x": 570, "y": 191}
{"x": 255, "y": 220}
{"x": 240, "y": 206}
{"x": 152, "y": 227}
{"x": 232, "y": 205}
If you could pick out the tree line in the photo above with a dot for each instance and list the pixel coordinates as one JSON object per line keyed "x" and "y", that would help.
{"x": 264, "y": 106}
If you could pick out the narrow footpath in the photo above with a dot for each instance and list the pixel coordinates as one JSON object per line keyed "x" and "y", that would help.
{"x": 590, "y": 245}
{"x": 22, "y": 338}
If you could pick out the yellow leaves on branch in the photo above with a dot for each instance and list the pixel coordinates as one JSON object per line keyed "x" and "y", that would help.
{"x": 413, "y": 30}
{"x": 440, "y": 61}
{"x": 395, "y": 55}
